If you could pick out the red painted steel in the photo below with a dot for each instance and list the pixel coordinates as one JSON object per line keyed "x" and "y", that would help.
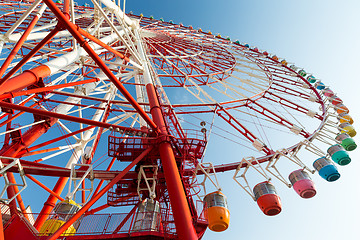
{"x": 66, "y": 9}
{"x": 241, "y": 128}
{"x": 15, "y": 93}
{"x": 44, "y": 187}
{"x": 12, "y": 117}
{"x": 100, "y": 43}
{"x": 29, "y": 77}
{"x": 55, "y": 115}
{"x": 180, "y": 207}
{"x": 35, "y": 168}
{"x": 73, "y": 29}
{"x": 98, "y": 135}
{"x": 104, "y": 226}
{"x": 19, "y": 229}
{"x": 273, "y": 116}
{"x": 18, "y": 45}
{"x": 1, "y": 227}
{"x": 50, "y": 203}
{"x": 29, "y": 149}
{"x": 98, "y": 196}
{"x": 26, "y": 58}
{"x": 95, "y": 210}
{"x": 132, "y": 211}
{"x": 27, "y": 139}
{"x": 285, "y": 102}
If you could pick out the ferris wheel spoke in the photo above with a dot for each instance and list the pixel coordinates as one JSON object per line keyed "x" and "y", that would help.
{"x": 252, "y": 87}
{"x": 105, "y": 46}
{"x": 175, "y": 53}
{"x": 184, "y": 60}
{"x": 195, "y": 66}
{"x": 176, "y": 68}
{"x": 254, "y": 105}
{"x": 278, "y": 70}
{"x": 120, "y": 118}
{"x": 286, "y": 81}
{"x": 199, "y": 93}
{"x": 202, "y": 78}
{"x": 224, "y": 87}
{"x": 254, "y": 75}
{"x": 249, "y": 65}
{"x": 292, "y": 92}
{"x": 231, "y": 120}
{"x": 291, "y": 104}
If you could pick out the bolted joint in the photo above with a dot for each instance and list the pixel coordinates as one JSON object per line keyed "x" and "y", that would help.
{"x": 163, "y": 138}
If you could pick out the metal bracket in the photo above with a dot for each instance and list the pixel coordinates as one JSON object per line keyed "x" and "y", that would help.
{"x": 74, "y": 178}
{"x": 149, "y": 186}
{"x": 3, "y": 169}
{"x": 313, "y": 148}
{"x": 249, "y": 162}
{"x": 209, "y": 173}
{"x": 324, "y": 136}
{"x": 271, "y": 168}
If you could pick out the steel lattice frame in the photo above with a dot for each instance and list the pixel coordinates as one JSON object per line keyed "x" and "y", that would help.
{"x": 78, "y": 77}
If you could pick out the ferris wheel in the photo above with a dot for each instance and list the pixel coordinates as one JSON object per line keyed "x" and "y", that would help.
{"x": 111, "y": 115}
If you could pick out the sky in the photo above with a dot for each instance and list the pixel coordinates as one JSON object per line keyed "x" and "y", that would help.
{"x": 320, "y": 36}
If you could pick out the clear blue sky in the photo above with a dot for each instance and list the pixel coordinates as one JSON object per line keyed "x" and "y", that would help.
{"x": 323, "y": 38}
{"x": 320, "y": 36}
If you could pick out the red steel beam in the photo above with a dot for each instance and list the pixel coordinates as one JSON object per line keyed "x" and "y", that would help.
{"x": 25, "y": 59}
{"x": 66, "y": 117}
{"x": 95, "y": 210}
{"x": 44, "y": 187}
{"x": 287, "y": 103}
{"x": 66, "y": 8}
{"x": 74, "y": 30}
{"x": 99, "y": 133}
{"x": 275, "y": 117}
{"x": 125, "y": 219}
{"x": 1, "y": 228}
{"x": 180, "y": 206}
{"x": 241, "y": 128}
{"x": 50, "y": 203}
{"x": 45, "y": 89}
{"x": 13, "y": 117}
{"x": 21, "y": 153}
{"x": 41, "y": 169}
{"x": 18, "y": 45}
{"x": 11, "y": 151}
{"x": 27, "y": 78}
{"x": 100, "y": 43}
